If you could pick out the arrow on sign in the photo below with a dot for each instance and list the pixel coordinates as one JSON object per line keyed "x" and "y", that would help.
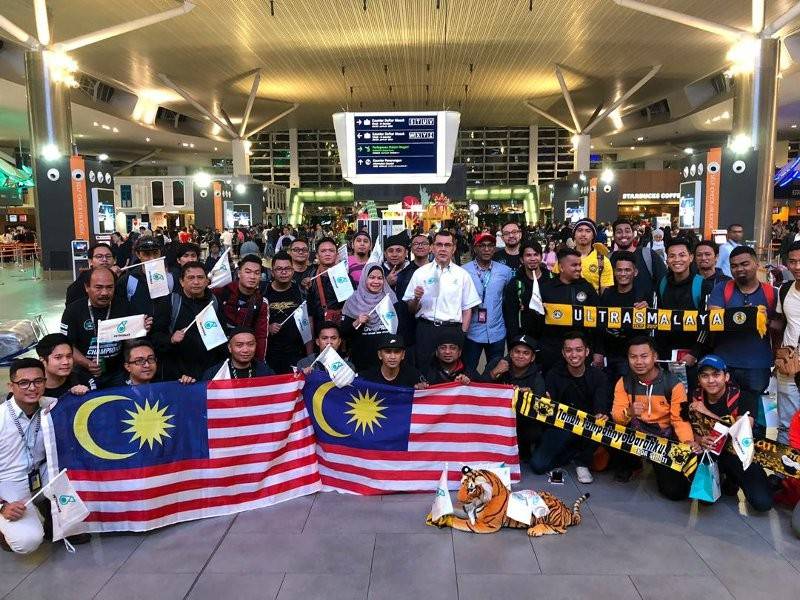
{"x": 358, "y": 122}
{"x": 358, "y": 135}
{"x": 361, "y": 162}
{"x": 359, "y": 148}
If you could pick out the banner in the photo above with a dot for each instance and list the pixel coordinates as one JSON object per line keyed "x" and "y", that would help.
{"x": 119, "y": 330}
{"x": 80, "y": 201}
{"x": 749, "y": 318}
{"x": 156, "y": 273}
{"x": 675, "y": 455}
{"x": 220, "y": 275}
{"x": 146, "y": 456}
{"x": 340, "y": 280}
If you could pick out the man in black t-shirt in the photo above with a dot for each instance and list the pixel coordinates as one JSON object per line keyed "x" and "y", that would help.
{"x": 55, "y": 352}
{"x": 285, "y": 346}
{"x": 100, "y": 255}
{"x": 510, "y": 255}
{"x": 394, "y": 370}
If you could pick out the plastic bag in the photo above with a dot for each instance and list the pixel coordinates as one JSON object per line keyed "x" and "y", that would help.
{"x": 705, "y": 485}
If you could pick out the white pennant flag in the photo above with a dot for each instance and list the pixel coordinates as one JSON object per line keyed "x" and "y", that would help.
{"x": 220, "y": 275}
{"x": 340, "y": 280}
{"x": 210, "y": 328}
{"x": 340, "y": 373}
{"x": 741, "y": 434}
{"x": 67, "y": 507}
{"x": 300, "y": 315}
{"x": 387, "y": 314}
{"x": 156, "y": 274}
{"x": 377, "y": 252}
{"x": 442, "y": 503}
{"x": 342, "y": 252}
{"x": 536, "y": 297}
{"x": 119, "y": 330}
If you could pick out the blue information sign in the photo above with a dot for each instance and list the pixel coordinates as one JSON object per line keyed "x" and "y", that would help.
{"x": 388, "y": 145}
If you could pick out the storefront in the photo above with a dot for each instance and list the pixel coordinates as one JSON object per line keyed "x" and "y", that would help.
{"x": 495, "y": 206}
{"x": 329, "y": 208}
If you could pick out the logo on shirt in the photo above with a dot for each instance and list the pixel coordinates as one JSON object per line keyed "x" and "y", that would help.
{"x": 430, "y": 280}
{"x": 581, "y": 296}
{"x": 593, "y": 268}
{"x": 557, "y": 314}
{"x": 739, "y": 317}
{"x": 88, "y": 325}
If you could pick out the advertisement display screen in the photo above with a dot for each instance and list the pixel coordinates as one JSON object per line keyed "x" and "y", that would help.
{"x": 574, "y": 210}
{"x": 103, "y": 203}
{"x": 690, "y": 205}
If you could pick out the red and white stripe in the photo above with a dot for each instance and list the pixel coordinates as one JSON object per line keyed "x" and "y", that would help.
{"x": 454, "y": 424}
{"x": 261, "y": 452}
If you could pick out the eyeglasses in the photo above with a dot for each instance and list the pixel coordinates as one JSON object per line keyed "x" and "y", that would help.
{"x": 103, "y": 256}
{"x": 303, "y": 250}
{"x": 421, "y": 244}
{"x": 27, "y": 384}
{"x": 140, "y": 362}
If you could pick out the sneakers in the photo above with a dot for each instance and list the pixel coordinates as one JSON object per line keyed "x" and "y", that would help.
{"x": 623, "y": 475}
{"x": 584, "y": 475}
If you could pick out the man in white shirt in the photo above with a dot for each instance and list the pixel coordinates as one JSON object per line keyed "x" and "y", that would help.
{"x": 22, "y": 456}
{"x": 789, "y": 307}
{"x": 734, "y": 238}
{"x": 441, "y": 295}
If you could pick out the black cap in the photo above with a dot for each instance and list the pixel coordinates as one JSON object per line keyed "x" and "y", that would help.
{"x": 240, "y": 329}
{"x": 391, "y": 341}
{"x": 524, "y": 340}
{"x": 451, "y": 335}
{"x": 400, "y": 239}
{"x": 147, "y": 242}
{"x": 188, "y": 247}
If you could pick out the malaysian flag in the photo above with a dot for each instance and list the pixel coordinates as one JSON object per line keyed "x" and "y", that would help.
{"x": 374, "y": 439}
{"x": 151, "y": 455}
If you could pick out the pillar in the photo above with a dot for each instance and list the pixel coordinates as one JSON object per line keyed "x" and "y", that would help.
{"x": 582, "y": 145}
{"x": 533, "y": 155}
{"x": 754, "y": 116}
{"x": 294, "y": 162}
{"x": 241, "y": 158}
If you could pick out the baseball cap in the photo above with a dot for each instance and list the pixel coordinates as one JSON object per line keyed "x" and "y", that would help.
{"x": 147, "y": 243}
{"x": 391, "y": 342}
{"x": 450, "y": 335}
{"x": 522, "y": 340}
{"x": 713, "y": 361}
{"x": 483, "y": 237}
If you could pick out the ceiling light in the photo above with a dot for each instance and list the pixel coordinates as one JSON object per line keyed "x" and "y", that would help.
{"x": 688, "y": 150}
{"x": 185, "y": 144}
{"x": 102, "y": 157}
{"x": 202, "y": 179}
{"x": 215, "y": 148}
{"x": 51, "y": 152}
{"x": 106, "y": 127}
{"x": 582, "y": 177}
{"x": 240, "y": 188}
{"x": 742, "y": 56}
{"x": 794, "y": 125}
{"x": 146, "y": 139}
{"x": 740, "y": 143}
{"x": 607, "y": 176}
{"x": 640, "y": 138}
{"x": 633, "y": 147}
{"x": 96, "y": 124}
{"x": 191, "y": 145}
{"x": 115, "y": 130}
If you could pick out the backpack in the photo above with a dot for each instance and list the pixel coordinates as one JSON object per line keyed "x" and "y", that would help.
{"x": 769, "y": 293}
{"x": 176, "y": 301}
{"x": 697, "y": 289}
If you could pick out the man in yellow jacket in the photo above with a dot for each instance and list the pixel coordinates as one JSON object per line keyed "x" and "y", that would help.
{"x": 595, "y": 265}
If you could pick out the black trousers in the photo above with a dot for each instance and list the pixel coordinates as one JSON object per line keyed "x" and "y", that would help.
{"x": 753, "y": 482}
{"x": 673, "y": 485}
{"x": 428, "y": 339}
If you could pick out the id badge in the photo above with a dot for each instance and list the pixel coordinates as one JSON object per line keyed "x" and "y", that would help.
{"x": 34, "y": 481}
{"x": 482, "y": 315}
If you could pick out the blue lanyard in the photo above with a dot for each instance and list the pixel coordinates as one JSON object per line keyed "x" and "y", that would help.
{"x": 484, "y": 284}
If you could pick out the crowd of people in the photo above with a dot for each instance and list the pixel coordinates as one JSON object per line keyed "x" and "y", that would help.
{"x": 462, "y": 317}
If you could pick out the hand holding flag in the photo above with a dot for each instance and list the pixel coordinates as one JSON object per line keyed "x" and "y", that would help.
{"x": 210, "y": 328}
{"x": 340, "y": 373}
{"x": 156, "y": 274}
{"x": 67, "y": 507}
{"x": 340, "y": 280}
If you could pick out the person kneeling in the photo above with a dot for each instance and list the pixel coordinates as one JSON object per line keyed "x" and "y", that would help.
{"x": 718, "y": 397}
{"x": 394, "y": 370}
{"x": 650, "y": 400}
{"x": 242, "y": 364}
{"x": 446, "y": 365}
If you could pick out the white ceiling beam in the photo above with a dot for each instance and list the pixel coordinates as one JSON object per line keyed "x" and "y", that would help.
{"x": 188, "y": 97}
{"x": 758, "y": 12}
{"x": 567, "y": 98}
{"x": 618, "y": 102}
{"x": 226, "y": 116}
{"x": 549, "y": 117}
{"x": 42, "y": 22}
{"x": 773, "y": 28}
{"x": 122, "y": 28}
{"x": 137, "y": 161}
{"x": 676, "y": 17}
{"x": 250, "y": 100}
{"x": 274, "y": 119}
{"x": 18, "y": 34}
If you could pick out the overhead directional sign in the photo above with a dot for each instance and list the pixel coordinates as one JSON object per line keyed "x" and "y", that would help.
{"x": 396, "y": 144}
{"x": 397, "y": 147}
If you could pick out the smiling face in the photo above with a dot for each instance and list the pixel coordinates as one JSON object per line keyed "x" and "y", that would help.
{"x": 375, "y": 281}
{"x": 623, "y": 236}
{"x": 511, "y": 234}
{"x": 243, "y": 348}
{"x": 448, "y": 354}
{"x": 712, "y": 381}
{"x": 282, "y": 271}
{"x": 744, "y": 269}
{"x": 141, "y": 365}
{"x": 521, "y": 356}
{"x": 575, "y": 352}
{"x": 420, "y": 246}
{"x": 704, "y": 258}
{"x": 362, "y": 245}
{"x": 679, "y": 259}
{"x": 624, "y": 272}
{"x": 27, "y": 385}
{"x": 391, "y": 357}
{"x": 443, "y": 248}
{"x": 531, "y": 259}
{"x": 395, "y": 255}
{"x": 641, "y": 359}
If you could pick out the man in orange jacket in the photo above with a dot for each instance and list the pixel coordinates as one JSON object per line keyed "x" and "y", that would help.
{"x": 651, "y": 400}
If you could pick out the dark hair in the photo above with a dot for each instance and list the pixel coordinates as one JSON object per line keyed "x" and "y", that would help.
{"x": 621, "y": 221}
{"x": 327, "y": 240}
{"x": 299, "y": 239}
{"x": 565, "y": 252}
{"x": 643, "y": 340}
{"x": 193, "y": 264}
{"x": 237, "y": 330}
{"x": 48, "y": 344}
{"x": 94, "y": 247}
{"x": 679, "y": 241}
{"x": 533, "y": 245}
{"x": 329, "y": 325}
{"x": 445, "y": 233}
{"x": 710, "y": 243}
{"x": 250, "y": 258}
{"x": 282, "y": 255}
{"x": 794, "y": 247}
{"x": 575, "y": 335}
{"x": 99, "y": 270}
{"x": 622, "y": 255}
{"x": 129, "y": 346}
{"x": 739, "y": 250}
{"x": 24, "y": 363}
{"x": 732, "y": 225}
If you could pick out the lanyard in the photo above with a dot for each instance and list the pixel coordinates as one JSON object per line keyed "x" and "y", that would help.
{"x": 38, "y": 419}
{"x": 92, "y": 317}
{"x": 484, "y": 284}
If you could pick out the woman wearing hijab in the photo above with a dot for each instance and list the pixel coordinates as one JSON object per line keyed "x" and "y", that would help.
{"x": 361, "y": 325}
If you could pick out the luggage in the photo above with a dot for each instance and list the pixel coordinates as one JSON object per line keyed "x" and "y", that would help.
{"x": 16, "y": 337}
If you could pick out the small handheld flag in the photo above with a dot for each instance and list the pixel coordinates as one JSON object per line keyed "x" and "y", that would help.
{"x": 341, "y": 374}
{"x": 536, "y": 298}
{"x": 156, "y": 274}
{"x": 220, "y": 275}
{"x": 119, "y": 330}
{"x": 300, "y": 315}
{"x": 387, "y": 315}
{"x": 210, "y": 328}
{"x": 741, "y": 433}
{"x": 340, "y": 280}
{"x": 377, "y": 252}
{"x": 67, "y": 507}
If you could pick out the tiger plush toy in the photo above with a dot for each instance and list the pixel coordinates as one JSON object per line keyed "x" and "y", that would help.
{"x": 485, "y": 500}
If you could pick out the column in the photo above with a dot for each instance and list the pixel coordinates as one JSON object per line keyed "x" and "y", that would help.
{"x": 294, "y": 163}
{"x": 533, "y": 155}
{"x": 581, "y": 144}
{"x": 241, "y": 158}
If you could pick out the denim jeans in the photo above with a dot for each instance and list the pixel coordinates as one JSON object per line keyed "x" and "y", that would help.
{"x": 788, "y": 405}
{"x": 753, "y": 380}
{"x": 557, "y": 447}
{"x": 473, "y": 350}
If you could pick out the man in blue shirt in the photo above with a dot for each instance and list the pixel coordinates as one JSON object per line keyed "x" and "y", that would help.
{"x": 734, "y": 240}
{"x": 747, "y": 354}
{"x": 487, "y": 330}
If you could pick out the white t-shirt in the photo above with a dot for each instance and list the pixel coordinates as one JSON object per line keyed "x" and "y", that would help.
{"x": 448, "y": 292}
{"x": 790, "y": 309}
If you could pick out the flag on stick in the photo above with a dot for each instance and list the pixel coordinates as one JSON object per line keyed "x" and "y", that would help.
{"x": 338, "y": 370}
{"x": 300, "y": 315}
{"x": 156, "y": 273}
{"x": 119, "y": 330}
{"x": 442, "y": 503}
{"x": 340, "y": 280}
{"x": 387, "y": 314}
{"x": 210, "y": 328}
{"x": 220, "y": 275}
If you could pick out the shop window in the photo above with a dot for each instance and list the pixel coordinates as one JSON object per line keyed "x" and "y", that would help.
{"x": 125, "y": 196}
{"x": 177, "y": 193}
{"x": 157, "y": 189}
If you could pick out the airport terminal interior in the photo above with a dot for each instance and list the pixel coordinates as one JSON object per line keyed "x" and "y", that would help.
{"x": 227, "y": 132}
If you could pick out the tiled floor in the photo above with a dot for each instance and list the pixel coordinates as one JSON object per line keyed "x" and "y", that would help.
{"x": 632, "y": 544}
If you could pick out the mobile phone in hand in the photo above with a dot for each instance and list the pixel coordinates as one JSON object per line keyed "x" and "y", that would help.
{"x": 556, "y": 477}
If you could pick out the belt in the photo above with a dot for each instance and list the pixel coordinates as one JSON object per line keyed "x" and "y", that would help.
{"x": 438, "y": 323}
